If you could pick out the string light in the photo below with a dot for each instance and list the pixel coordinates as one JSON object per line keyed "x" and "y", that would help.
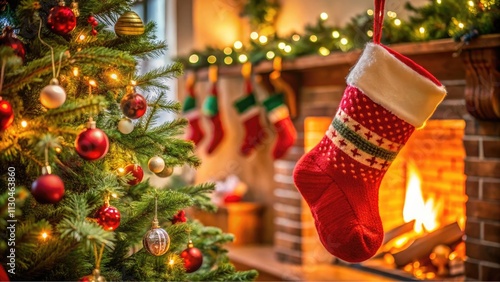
{"x": 397, "y": 22}
{"x": 313, "y": 38}
{"x": 270, "y": 55}
{"x": 254, "y": 35}
{"x": 242, "y": 58}
{"x": 369, "y": 33}
{"x": 228, "y": 50}
{"x": 263, "y": 39}
{"x": 211, "y": 59}
{"x": 24, "y": 124}
{"x": 282, "y": 45}
{"x": 471, "y": 3}
{"x": 228, "y": 60}
{"x": 324, "y": 51}
{"x": 421, "y": 30}
{"x": 92, "y": 83}
{"x": 238, "y": 45}
{"x": 323, "y": 16}
{"x": 391, "y": 14}
{"x": 133, "y": 82}
{"x": 288, "y": 49}
{"x": 461, "y": 25}
{"x": 295, "y": 37}
{"x": 335, "y": 34}
{"x": 369, "y": 12}
{"x": 44, "y": 235}
{"x": 76, "y": 71}
{"x": 114, "y": 195}
{"x": 344, "y": 41}
{"x": 438, "y": 1}
{"x": 81, "y": 37}
{"x": 193, "y": 59}
{"x": 113, "y": 76}
{"x": 58, "y": 150}
{"x": 121, "y": 171}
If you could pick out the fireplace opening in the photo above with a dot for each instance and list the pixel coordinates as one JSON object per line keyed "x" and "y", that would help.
{"x": 421, "y": 201}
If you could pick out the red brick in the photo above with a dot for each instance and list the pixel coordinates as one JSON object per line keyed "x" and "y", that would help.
{"x": 472, "y": 188}
{"x": 488, "y": 128}
{"x": 471, "y": 127}
{"x": 491, "y": 148}
{"x": 482, "y": 252}
{"x": 471, "y": 147}
{"x": 483, "y": 210}
{"x": 485, "y": 168}
{"x": 492, "y": 232}
{"x": 473, "y": 229}
{"x": 490, "y": 273}
{"x": 471, "y": 270}
{"x": 491, "y": 190}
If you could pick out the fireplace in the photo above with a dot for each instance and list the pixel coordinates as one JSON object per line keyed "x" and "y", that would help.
{"x": 457, "y": 155}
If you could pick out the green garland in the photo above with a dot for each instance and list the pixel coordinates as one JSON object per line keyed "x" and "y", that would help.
{"x": 461, "y": 20}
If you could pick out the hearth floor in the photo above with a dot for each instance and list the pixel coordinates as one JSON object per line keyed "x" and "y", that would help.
{"x": 263, "y": 259}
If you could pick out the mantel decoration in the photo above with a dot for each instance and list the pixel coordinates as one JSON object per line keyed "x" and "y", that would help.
{"x": 462, "y": 20}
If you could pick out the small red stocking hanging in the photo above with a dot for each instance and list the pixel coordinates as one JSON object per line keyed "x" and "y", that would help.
{"x": 211, "y": 110}
{"x": 194, "y": 131}
{"x": 250, "y": 115}
{"x": 386, "y": 98}
{"x": 279, "y": 116}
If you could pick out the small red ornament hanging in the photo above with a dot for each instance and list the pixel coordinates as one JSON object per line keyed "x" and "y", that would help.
{"x": 193, "y": 258}
{"x": 61, "y": 19}
{"x": 92, "y": 21}
{"x": 6, "y": 114}
{"x": 137, "y": 173}
{"x": 94, "y": 277}
{"x": 133, "y": 105}
{"x": 48, "y": 188}
{"x": 92, "y": 143}
{"x": 179, "y": 217}
{"x": 108, "y": 217}
{"x": 8, "y": 38}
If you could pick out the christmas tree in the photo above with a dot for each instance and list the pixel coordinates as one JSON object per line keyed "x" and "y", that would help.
{"x": 80, "y": 127}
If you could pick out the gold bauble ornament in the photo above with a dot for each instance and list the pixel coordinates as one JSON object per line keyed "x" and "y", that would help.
{"x": 129, "y": 24}
{"x": 166, "y": 172}
{"x": 156, "y": 164}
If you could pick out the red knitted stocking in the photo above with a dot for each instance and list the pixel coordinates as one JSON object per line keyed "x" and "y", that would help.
{"x": 211, "y": 110}
{"x": 194, "y": 131}
{"x": 279, "y": 115}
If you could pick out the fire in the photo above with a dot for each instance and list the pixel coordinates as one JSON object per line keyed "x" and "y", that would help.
{"x": 425, "y": 213}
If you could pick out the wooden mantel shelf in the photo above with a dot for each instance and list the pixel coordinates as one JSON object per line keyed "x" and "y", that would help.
{"x": 349, "y": 58}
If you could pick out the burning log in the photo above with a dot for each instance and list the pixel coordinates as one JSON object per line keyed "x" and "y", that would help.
{"x": 423, "y": 246}
{"x": 398, "y": 231}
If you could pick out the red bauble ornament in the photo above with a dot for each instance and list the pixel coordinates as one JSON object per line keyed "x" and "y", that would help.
{"x": 92, "y": 143}
{"x": 179, "y": 217}
{"x": 193, "y": 258}
{"x": 8, "y": 38}
{"x": 108, "y": 217}
{"x": 136, "y": 172}
{"x": 61, "y": 20}
{"x": 133, "y": 105}
{"x": 6, "y": 114}
{"x": 48, "y": 189}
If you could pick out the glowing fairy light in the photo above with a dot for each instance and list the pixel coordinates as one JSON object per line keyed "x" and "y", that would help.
{"x": 335, "y": 34}
{"x": 461, "y": 25}
{"x": 313, "y": 38}
{"x": 270, "y": 55}
{"x": 254, "y": 35}
{"x": 421, "y": 30}
{"x": 263, "y": 39}
{"x": 324, "y": 51}
{"x": 211, "y": 59}
{"x": 369, "y": 12}
{"x": 344, "y": 41}
{"x": 397, "y": 22}
{"x": 242, "y": 58}
{"x": 369, "y": 33}
{"x": 113, "y": 76}
{"x": 24, "y": 124}
{"x": 323, "y": 16}
{"x": 193, "y": 59}
{"x": 281, "y": 45}
{"x": 228, "y": 50}
{"x": 76, "y": 71}
{"x": 238, "y": 45}
{"x": 295, "y": 37}
{"x": 92, "y": 83}
{"x": 288, "y": 49}
{"x": 228, "y": 60}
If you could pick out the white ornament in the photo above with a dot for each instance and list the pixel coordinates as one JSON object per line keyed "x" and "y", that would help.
{"x": 53, "y": 95}
{"x": 156, "y": 164}
{"x": 125, "y": 125}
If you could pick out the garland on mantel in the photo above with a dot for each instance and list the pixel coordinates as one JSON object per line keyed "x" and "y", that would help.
{"x": 462, "y": 20}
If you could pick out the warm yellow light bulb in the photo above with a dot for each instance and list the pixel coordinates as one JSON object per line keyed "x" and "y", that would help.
{"x": 438, "y": 1}
{"x": 211, "y": 59}
{"x": 270, "y": 55}
{"x": 171, "y": 262}
{"x": 461, "y": 25}
{"x": 193, "y": 59}
{"x": 313, "y": 38}
{"x": 238, "y": 44}
{"x": 113, "y": 76}
{"x": 344, "y": 41}
{"x": 24, "y": 124}
{"x": 58, "y": 150}
{"x": 228, "y": 60}
{"x": 369, "y": 33}
{"x": 281, "y": 45}
{"x": 335, "y": 34}
{"x": 421, "y": 30}
{"x": 254, "y": 35}
{"x": 369, "y": 12}
{"x": 228, "y": 50}
{"x": 92, "y": 83}
{"x": 242, "y": 58}
{"x": 263, "y": 39}
{"x": 397, "y": 22}
{"x": 114, "y": 195}
{"x": 81, "y": 37}
{"x": 323, "y": 16}
{"x": 295, "y": 37}
{"x": 76, "y": 71}
{"x": 288, "y": 49}
{"x": 471, "y": 3}
{"x": 133, "y": 82}
{"x": 121, "y": 170}
{"x": 324, "y": 51}
{"x": 44, "y": 235}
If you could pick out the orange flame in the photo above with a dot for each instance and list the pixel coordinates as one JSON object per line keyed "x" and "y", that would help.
{"x": 425, "y": 213}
